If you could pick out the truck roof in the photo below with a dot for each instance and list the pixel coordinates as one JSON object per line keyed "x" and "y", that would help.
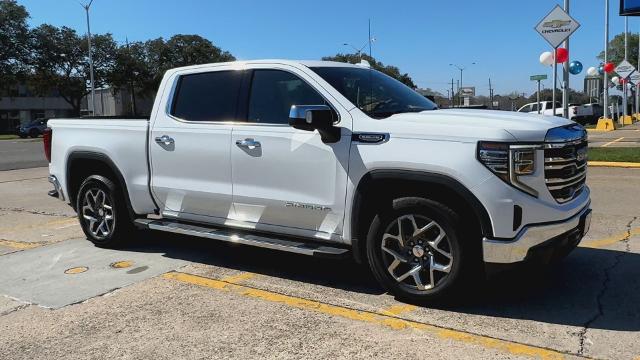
{"x": 307, "y": 63}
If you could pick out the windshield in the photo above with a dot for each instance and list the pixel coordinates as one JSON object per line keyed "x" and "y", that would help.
{"x": 373, "y": 92}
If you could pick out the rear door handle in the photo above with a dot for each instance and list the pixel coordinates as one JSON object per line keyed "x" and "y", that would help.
{"x": 164, "y": 139}
{"x": 248, "y": 143}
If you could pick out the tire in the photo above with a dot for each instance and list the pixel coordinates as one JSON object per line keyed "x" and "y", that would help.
{"x": 421, "y": 249}
{"x": 103, "y": 213}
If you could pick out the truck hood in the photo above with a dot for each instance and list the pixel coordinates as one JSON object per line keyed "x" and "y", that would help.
{"x": 472, "y": 125}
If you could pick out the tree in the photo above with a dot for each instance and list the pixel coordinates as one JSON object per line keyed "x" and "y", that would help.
{"x": 60, "y": 62}
{"x": 616, "y": 49}
{"x": 133, "y": 69}
{"x": 14, "y": 42}
{"x": 392, "y": 71}
{"x": 185, "y": 50}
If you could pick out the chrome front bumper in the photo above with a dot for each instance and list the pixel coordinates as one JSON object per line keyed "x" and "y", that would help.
{"x": 57, "y": 189}
{"x": 512, "y": 251}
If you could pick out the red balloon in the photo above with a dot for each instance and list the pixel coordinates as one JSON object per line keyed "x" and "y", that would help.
{"x": 562, "y": 55}
{"x": 608, "y": 67}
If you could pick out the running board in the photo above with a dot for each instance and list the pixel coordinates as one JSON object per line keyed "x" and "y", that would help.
{"x": 239, "y": 237}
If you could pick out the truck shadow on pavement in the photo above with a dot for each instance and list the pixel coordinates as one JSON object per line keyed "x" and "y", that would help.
{"x": 597, "y": 288}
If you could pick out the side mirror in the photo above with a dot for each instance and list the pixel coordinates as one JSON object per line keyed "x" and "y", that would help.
{"x": 315, "y": 117}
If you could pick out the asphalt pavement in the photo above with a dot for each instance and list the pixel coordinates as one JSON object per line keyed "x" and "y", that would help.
{"x": 167, "y": 296}
{"x": 21, "y": 154}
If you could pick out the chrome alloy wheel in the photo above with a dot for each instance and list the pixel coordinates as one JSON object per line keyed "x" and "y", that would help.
{"x": 97, "y": 210}
{"x": 416, "y": 252}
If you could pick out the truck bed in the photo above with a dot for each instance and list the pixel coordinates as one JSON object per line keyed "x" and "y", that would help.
{"x": 122, "y": 140}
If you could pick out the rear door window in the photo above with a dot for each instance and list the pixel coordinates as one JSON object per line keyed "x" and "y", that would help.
{"x": 209, "y": 96}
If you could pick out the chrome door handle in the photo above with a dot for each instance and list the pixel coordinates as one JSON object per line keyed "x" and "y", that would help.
{"x": 248, "y": 143}
{"x": 164, "y": 139}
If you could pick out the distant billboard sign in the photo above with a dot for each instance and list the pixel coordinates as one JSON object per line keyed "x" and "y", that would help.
{"x": 469, "y": 91}
{"x": 629, "y": 7}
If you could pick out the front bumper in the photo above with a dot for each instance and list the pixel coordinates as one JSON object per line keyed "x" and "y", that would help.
{"x": 516, "y": 250}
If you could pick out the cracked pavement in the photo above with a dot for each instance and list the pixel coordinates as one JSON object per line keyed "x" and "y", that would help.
{"x": 587, "y": 306}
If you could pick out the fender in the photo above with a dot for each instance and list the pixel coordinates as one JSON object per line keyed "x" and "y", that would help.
{"x": 105, "y": 159}
{"x": 417, "y": 176}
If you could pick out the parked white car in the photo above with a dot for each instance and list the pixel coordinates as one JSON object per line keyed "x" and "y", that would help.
{"x": 546, "y": 108}
{"x": 329, "y": 159}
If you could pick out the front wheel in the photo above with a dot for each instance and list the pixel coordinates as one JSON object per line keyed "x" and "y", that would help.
{"x": 102, "y": 212}
{"x": 414, "y": 249}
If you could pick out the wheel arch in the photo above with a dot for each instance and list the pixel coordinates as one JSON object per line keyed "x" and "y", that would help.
{"x": 81, "y": 164}
{"x": 408, "y": 182}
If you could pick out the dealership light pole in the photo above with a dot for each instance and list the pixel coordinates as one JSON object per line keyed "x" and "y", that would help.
{"x": 565, "y": 74}
{"x": 606, "y": 58}
{"x": 93, "y": 89}
{"x": 626, "y": 57}
{"x": 461, "y": 68}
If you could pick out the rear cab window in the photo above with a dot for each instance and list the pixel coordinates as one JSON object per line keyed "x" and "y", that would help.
{"x": 207, "y": 96}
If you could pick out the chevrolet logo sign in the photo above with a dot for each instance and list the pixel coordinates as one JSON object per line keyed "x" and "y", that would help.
{"x": 555, "y": 24}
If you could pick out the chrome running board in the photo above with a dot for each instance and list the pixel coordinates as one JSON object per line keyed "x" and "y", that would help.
{"x": 238, "y": 237}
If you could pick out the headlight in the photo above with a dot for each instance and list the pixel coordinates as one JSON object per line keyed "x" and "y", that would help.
{"x": 510, "y": 162}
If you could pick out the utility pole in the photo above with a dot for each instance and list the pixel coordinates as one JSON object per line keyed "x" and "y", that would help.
{"x": 370, "y": 55}
{"x": 490, "y": 94}
{"x": 606, "y": 58}
{"x": 132, "y": 90}
{"x": 93, "y": 89}
{"x": 453, "y": 95}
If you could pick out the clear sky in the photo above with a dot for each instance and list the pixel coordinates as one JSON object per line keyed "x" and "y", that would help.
{"x": 420, "y": 37}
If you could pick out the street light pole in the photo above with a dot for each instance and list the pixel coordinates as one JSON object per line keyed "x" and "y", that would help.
{"x": 93, "y": 89}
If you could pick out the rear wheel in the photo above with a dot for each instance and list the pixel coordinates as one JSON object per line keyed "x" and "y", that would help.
{"x": 102, "y": 212}
{"x": 415, "y": 251}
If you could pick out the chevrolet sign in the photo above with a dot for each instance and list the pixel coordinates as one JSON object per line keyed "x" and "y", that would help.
{"x": 557, "y": 26}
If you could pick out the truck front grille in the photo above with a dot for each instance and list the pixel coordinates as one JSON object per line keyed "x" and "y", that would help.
{"x": 565, "y": 169}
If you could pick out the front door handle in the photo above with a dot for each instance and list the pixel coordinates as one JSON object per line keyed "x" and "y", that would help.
{"x": 248, "y": 143}
{"x": 164, "y": 139}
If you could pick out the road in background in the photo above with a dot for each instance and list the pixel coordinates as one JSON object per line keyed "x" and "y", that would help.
{"x": 218, "y": 300}
{"x": 21, "y": 154}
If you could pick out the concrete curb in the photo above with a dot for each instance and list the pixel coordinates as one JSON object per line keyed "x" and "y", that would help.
{"x": 628, "y": 165}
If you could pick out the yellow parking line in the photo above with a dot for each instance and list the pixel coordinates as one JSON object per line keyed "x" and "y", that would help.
{"x": 238, "y": 278}
{"x": 600, "y": 243}
{"x": 612, "y": 142}
{"x": 49, "y": 223}
{"x": 508, "y": 347}
{"x": 619, "y": 164}
{"x": 396, "y": 310}
{"x": 19, "y": 245}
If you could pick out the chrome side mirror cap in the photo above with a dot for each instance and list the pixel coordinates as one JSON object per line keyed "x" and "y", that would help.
{"x": 315, "y": 117}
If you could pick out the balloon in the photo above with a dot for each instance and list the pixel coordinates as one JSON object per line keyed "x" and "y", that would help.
{"x": 546, "y": 58}
{"x": 608, "y": 67}
{"x": 562, "y": 55}
{"x": 575, "y": 67}
{"x": 592, "y": 71}
{"x": 615, "y": 80}
{"x": 601, "y": 69}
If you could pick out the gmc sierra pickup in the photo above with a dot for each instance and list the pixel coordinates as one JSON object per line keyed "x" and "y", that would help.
{"x": 329, "y": 159}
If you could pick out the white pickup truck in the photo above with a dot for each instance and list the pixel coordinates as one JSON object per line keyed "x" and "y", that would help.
{"x": 329, "y": 159}
{"x": 583, "y": 114}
